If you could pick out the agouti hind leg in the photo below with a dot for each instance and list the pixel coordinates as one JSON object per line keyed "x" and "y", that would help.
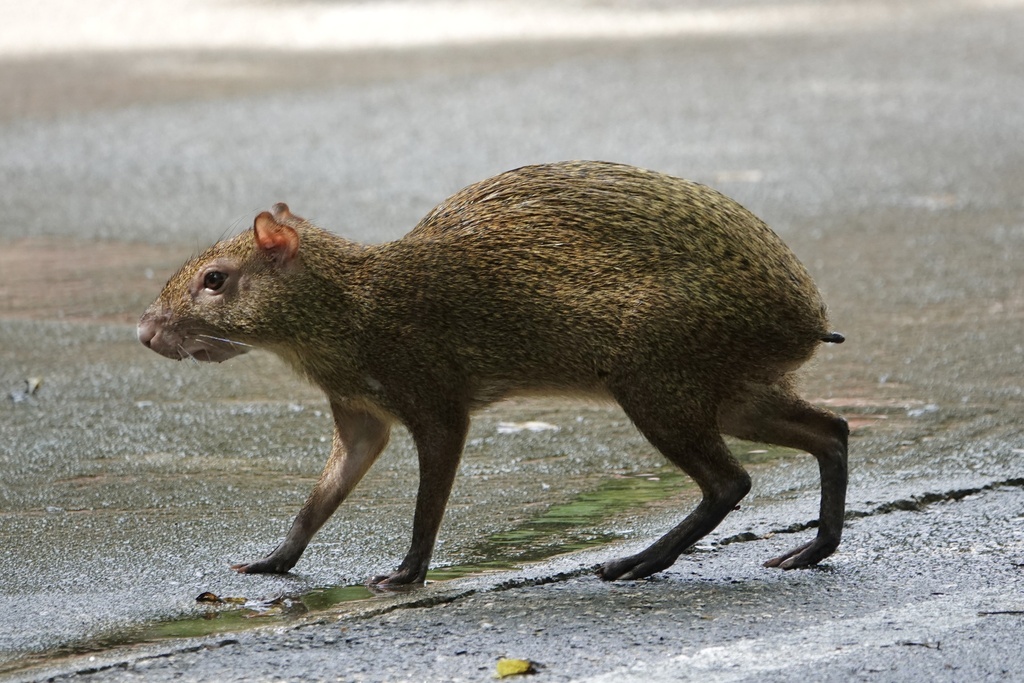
{"x": 775, "y": 414}
{"x": 688, "y": 436}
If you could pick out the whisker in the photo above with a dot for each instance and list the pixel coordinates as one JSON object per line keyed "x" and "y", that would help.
{"x": 231, "y": 342}
{"x": 189, "y": 355}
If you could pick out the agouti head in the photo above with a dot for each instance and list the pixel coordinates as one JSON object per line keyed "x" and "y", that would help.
{"x": 221, "y": 300}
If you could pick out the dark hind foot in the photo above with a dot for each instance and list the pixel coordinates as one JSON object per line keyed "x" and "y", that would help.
{"x": 634, "y": 567}
{"x": 804, "y": 556}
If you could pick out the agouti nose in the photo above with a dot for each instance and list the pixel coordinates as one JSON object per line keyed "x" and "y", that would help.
{"x": 147, "y": 332}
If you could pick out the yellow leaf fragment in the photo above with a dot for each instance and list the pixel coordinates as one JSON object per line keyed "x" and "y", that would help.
{"x": 514, "y": 667}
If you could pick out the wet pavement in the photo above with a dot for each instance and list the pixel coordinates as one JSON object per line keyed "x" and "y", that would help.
{"x": 916, "y": 595}
{"x": 885, "y": 151}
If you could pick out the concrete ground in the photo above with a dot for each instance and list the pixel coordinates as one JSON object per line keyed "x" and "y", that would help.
{"x": 881, "y": 140}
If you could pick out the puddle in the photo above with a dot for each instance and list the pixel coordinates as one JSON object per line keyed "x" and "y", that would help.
{"x": 570, "y": 526}
{"x": 576, "y": 525}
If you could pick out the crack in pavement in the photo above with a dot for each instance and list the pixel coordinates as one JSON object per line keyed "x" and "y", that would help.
{"x": 911, "y": 504}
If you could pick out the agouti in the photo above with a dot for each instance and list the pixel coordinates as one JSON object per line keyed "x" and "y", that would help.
{"x": 576, "y": 278}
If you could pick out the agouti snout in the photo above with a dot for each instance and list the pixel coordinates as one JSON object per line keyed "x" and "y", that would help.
{"x": 584, "y": 278}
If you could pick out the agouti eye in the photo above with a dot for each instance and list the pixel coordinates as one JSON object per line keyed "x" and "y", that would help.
{"x": 214, "y": 280}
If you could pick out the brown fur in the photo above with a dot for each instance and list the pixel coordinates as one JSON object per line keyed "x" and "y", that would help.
{"x": 581, "y": 277}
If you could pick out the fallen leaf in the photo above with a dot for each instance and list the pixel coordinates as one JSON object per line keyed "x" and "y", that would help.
{"x": 212, "y": 599}
{"x": 514, "y": 667}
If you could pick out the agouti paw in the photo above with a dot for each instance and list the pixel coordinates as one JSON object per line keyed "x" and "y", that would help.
{"x": 807, "y": 555}
{"x": 265, "y": 566}
{"x": 634, "y": 567}
{"x": 403, "y": 579}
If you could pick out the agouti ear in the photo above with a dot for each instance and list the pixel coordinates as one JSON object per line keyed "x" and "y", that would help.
{"x": 282, "y": 214}
{"x": 278, "y": 241}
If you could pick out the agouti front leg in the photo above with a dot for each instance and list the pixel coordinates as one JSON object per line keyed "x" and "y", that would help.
{"x": 359, "y": 437}
{"x": 439, "y": 447}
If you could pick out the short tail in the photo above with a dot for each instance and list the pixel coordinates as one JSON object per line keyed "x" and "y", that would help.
{"x": 833, "y": 338}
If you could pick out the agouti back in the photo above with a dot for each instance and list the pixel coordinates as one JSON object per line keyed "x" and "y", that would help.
{"x": 580, "y": 278}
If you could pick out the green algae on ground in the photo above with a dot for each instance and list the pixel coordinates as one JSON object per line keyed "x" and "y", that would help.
{"x": 570, "y": 526}
{"x": 561, "y": 529}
